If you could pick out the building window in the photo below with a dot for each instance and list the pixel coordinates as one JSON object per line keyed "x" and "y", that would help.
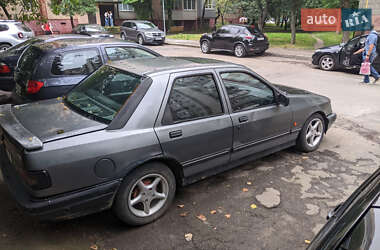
{"x": 178, "y": 5}
{"x": 125, "y": 7}
{"x": 189, "y": 4}
{"x": 210, "y": 4}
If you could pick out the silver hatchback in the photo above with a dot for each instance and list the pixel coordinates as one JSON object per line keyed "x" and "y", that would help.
{"x": 13, "y": 33}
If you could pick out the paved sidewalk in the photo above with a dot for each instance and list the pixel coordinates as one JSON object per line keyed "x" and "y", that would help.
{"x": 300, "y": 54}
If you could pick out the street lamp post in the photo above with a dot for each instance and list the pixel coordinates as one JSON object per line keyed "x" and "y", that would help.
{"x": 163, "y": 16}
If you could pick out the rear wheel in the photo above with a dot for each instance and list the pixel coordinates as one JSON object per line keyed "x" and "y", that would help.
{"x": 311, "y": 134}
{"x": 205, "y": 46}
{"x": 145, "y": 194}
{"x": 123, "y": 36}
{"x": 327, "y": 63}
{"x": 4, "y": 46}
{"x": 239, "y": 51}
{"x": 140, "y": 39}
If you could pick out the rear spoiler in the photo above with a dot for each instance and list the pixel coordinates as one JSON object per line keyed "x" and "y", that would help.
{"x": 11, "y": 126}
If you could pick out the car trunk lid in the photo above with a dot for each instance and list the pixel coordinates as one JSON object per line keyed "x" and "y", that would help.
{"x": 33, "y": 124}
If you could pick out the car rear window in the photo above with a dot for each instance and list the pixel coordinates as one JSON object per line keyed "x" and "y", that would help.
{"x": 19, "y": 48}
{"x": 29, "y": 59}
{"x": 23, "y": 27}
{"x": 121, "y": 53}
{"x": 79, "y": 62}
{"x": 253, "y": 30}
{"x": 101, "y": 95}
{"x": 4, "y": 27}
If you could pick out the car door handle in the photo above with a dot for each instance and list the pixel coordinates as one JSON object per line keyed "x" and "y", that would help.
{"x": 175, "y": 134}
{"x": 243, "y": 119}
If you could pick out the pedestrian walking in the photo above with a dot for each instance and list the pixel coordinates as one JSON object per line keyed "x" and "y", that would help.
{"x": 370, "y": 54}
{"x": 106, "y": 19}
{"x": 47, "y": 28}
{"x": 110, "y": 16}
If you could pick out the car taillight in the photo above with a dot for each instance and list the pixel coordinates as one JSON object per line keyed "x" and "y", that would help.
{"x": 20, "y": 35}
{"x": 4, "y": 68}
{"x": 33, "y": 87}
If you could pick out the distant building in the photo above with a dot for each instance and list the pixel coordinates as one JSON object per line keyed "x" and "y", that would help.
{"x": 375, "y": 6}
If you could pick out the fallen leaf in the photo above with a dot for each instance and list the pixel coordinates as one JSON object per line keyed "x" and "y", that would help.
{"x": 227, "y": 216}
{"x": 30, "y": 138}
{"x": 17, "y": 107}
{"x": 94, "y": 247}
{"x": 183, "y": 214}
{"x": 305, "y": 157}
{"x": 1, "y": 114}
{"x": 114, "y": 248}
{"x": 213, "y": 212}
{"x": 65, "y": 108}
{"x": 249, "y": 183}
{"x": 253, "y": 206}
{"x": 60, "y": 131}
{"x": 202, "y": 217}
{"x": 181, "y": 206}
{"x": 188, "y": 236}
{"x": 307, "y": 241}
{"x": 59, "y": 98}
{"x": 245, "y": 189}
{"x": 228, "y": 185}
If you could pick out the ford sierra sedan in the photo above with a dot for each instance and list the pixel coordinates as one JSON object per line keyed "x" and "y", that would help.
{"x": 131, "y": 132}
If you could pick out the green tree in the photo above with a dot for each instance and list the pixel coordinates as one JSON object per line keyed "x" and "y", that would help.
{"x": 27, "y": 9}
{"x": 223, "y": 7}
{"x": 72, "y": 8}
{"x": 143, "y": 8}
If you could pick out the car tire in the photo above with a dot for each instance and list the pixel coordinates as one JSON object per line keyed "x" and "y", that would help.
{"x": 311, "y": 134}
{"x": 123, "y": 36}
{"x": 327, "y": 62}
{"x": 4, "y": 46}
{"x": 151, "y": 187}
{"x": 205, "y": 47}
{"x": 140, "y": 39}
{"x": 240, "y": 51}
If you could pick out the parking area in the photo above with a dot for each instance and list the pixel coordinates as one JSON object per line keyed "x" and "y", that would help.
{"x": 278, "y": 202}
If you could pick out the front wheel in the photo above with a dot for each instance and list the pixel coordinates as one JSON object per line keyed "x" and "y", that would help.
{"x": 123, "y": 36}
{"x": 327, "y": 63}
{"x": 239, "y": 51}
{"x": 311, "y": 134}
{"x": 145, "y": 194}
{"x": 140, "y": 40}
{"x": 4, "y": 46}
{"x": 205, "y": 47}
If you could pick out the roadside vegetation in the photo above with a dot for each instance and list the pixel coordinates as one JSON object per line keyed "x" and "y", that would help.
{"x": 282, "y": 39}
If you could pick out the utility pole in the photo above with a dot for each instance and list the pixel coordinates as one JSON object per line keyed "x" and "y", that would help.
{"x": 163, "y": 16}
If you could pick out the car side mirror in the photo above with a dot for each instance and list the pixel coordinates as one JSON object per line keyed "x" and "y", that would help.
{"x": 282, "y": 99}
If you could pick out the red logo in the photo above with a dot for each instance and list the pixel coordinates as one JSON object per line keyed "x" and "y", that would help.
{"x": 321, "y": 19}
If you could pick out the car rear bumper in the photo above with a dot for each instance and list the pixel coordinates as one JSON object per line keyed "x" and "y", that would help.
{"x": 331, "y": 119}
{"x": 60, "y": 207}
{"x": 257, "y": 48}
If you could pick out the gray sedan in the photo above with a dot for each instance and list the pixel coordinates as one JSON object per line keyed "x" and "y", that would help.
{"x": 134, "y": 130}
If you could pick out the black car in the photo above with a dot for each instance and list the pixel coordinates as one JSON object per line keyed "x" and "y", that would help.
{"x": 342, "y": 56}
{"x": 9, "y": 58}
{"x": 242, "y": 40}
{"x": 355, "y": 224}
{"x": 141, "y": 32}
{"x": 92, "y": 30}
{"x": 51, "y": 69}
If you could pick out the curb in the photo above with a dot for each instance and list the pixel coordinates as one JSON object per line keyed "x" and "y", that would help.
{"x": 181, "y": 43}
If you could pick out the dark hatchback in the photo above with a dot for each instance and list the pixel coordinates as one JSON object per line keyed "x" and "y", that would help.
{"x": 9, "y": 58}
{"x": 355, "y": 224}
{"x": 342, "y": 56}
{"x": 242, "y": 40}
{"x": 92, "y": 30}
{"x": 51, "y": 69}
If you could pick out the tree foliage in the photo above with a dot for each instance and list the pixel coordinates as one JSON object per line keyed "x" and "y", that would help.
{"x": 72, "y": 7}
{"x": 143, "y": 8}
{"x": 24, "y": 10}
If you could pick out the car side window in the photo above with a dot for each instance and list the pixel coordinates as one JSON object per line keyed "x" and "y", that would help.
{"x": 121, "y": 53}
{"x": 80, "y": 62}
{"x": 223, "y": 30}
{"x": 132, "y": 25}
{"x": 127, "y": 24}
{"x": 246, "y": 92}
{"x": 192, "y": 98}
{"x": 352, "y": 44}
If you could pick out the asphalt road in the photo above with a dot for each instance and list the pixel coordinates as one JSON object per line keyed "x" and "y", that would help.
{"x": 301, "y": 187}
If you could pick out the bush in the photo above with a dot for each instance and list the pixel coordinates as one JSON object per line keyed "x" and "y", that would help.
{"x": 113, "y": 29}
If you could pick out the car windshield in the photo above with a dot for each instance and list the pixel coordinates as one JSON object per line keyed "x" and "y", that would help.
{"x": 95, "y": 28}
{"x": 146, "y": 25}
{"x": 101, "y": 95}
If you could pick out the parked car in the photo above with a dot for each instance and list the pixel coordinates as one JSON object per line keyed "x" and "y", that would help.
{"x": 132, "y": 130}
{"x": 13, "y": 33}
{"x": 51, "y": 69}
{"x": 142, "y": 32}
{"x": 242, "y": 40}
{"x": 354, "y": 224}
{"x": 342, "y": 56}
{"x": 92, "y": 30}
{"x": 9, "y": 58}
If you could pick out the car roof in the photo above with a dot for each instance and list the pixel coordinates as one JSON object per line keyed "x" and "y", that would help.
{"x": 139, "y": 21}
{"x": 150, "y": 66}
{"x": 80, "y": 42}
{"x": 49, "y": 38}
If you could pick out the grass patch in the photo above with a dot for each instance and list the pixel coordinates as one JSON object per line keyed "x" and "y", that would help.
{"x": 329, "y": 38}
{"x": 181, "y": 36}
{"x": 303, "y": 40}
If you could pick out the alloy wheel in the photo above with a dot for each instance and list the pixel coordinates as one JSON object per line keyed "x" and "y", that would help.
{"x": 123, "y": 36}
{"x": 327, "y": 63}
{"x": 148, "y": 195}
{"x": 141, "y": 40}
{"x": 239, "y": 51}
{"x": 314, "y": 132}
{"x": 205, "y": 47}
